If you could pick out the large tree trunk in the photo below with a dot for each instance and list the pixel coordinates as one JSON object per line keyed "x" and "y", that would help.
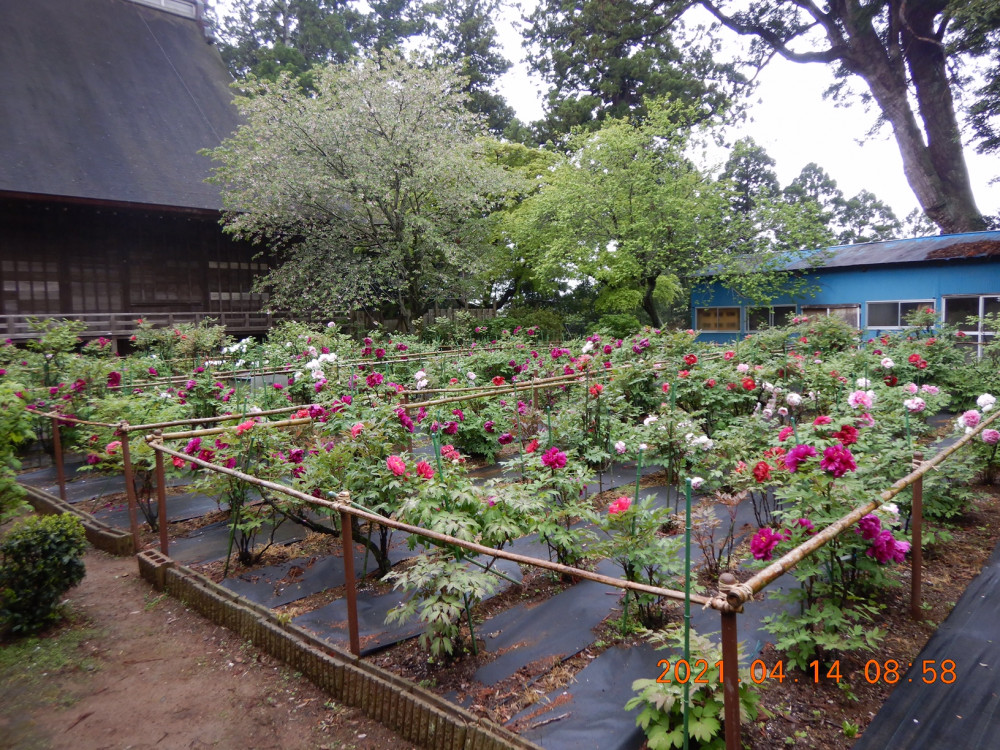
{"x": 648, "y": 304}
{"x": 934, "y": 164}
{"x": 894, "y": 47}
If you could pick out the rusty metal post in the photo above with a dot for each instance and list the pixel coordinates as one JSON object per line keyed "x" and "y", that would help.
{"x": 161, "y": 498}
{"x": 731, "y": 674}
{"x": 350, "y": 585}
{"x": 57, "y": 456}
{"x": 133, "y": 503}
{"x": 916, "y": 550}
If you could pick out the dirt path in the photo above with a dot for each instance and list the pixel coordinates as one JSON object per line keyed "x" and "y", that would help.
{"x": 138, "y": 670}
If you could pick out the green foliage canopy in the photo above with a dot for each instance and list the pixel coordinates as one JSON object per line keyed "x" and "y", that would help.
{"x": 374, "y": 189}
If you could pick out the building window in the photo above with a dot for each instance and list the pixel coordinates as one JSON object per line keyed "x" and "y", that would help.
{"x": 850, "y": 314}
{"x": 968, "y": 314}
{"x": 718, "y": 319}
{"x": 893, "y": 314}
{"x": 759, "y": 318}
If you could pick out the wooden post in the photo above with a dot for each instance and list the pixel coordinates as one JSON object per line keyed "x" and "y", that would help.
{"x": 350, "y": 585}
{"x": 133, "y": 505}
{"x": 916, "y": 551}
{"x": 731, "y": 673}
{"x": 161, "y": 498}
{"x": 57, "y": 456}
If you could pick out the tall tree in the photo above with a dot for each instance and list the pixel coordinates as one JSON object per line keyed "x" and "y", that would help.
{"x": 898, "y": 50}
{"x": 371, "y": 190}
{"x": 626, "y": 208}
{"x": 605, "y": 58}
{"x": 862, "y": 218}
{"x": 751, "y": 171}
{"x": 270, "y": 37}
{"x": 462, "y": 34}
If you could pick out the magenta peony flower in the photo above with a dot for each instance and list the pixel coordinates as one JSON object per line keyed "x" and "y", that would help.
{"x": 838, "y": 460}
{"x": 869, "y": 526}
{"x": 991, "y": 437}
{"x": 554, "y": 458}
{"x": 505, "y": 439}
{"x": 797, "y": 455}
{"x": 885, "y": 548}
{"x": 764, "y": 541}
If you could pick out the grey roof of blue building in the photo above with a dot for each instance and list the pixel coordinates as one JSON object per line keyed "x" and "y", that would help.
{"x": 110, "y": 101}
{"x": 947, "y": 247}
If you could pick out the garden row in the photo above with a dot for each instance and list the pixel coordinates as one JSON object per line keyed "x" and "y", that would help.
{"x": 794, "y": 425}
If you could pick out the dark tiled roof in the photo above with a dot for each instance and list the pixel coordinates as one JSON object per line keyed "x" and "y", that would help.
{"x": 973, "y": 245}
{"x": 109, "y": 100}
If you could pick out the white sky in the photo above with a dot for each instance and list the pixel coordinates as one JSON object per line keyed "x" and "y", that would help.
{"x": 791, "y": 121}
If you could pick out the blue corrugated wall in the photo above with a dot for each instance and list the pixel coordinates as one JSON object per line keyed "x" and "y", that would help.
{"x": 846, "y": 286}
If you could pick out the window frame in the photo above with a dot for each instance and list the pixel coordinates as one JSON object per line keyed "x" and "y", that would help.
{"x": 808, "y": 310}
{"x": 792, "y": 309}
{"x": 698, "y": 312}
{"x": 901, "y": 325}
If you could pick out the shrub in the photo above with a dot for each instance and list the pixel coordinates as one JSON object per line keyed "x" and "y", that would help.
{"x": 662, "y": 700}
{"x": 40, "y": 560}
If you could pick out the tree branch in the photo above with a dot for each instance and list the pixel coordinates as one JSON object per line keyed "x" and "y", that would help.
{"x": 771, "y": 39}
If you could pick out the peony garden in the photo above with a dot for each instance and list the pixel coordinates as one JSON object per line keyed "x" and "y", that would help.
{"x": 495, "y": 513}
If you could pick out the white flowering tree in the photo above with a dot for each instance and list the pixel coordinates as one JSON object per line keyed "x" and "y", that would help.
{"x": 373, "y": 190}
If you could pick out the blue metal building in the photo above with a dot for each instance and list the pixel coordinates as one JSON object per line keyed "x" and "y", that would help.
{"x": 872, "y": 286}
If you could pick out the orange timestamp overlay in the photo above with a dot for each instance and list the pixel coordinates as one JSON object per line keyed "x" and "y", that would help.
{"x": 889, "y": 671}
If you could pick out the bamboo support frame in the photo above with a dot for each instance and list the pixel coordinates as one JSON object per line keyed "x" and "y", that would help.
{"x": 745, "y": 591}
{"x": 916, "y": 548}
{"x": 133, "y": 503}
{"x": 155, "y": 442}
{"x": 57, "y": 457}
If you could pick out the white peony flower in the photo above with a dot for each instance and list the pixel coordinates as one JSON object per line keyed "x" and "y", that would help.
{"x": 986, "y": 402}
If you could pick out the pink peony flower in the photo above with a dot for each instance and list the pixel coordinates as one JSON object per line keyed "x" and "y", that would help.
{"x": 991, "y": 437}
{"x": 424, "y": 470}
{"x": 785, "y": 432}
{"x": 729, "y": 355}
{"x": 857, "y": 399}
{"x": 396, "y": 465}
{"x": 620, "y": 505}
{"x": 357, "y": 428}
{"x": 970, "y": 418}
{"x": 915, "y": 404}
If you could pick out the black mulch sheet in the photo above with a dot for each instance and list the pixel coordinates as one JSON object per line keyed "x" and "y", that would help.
{"x": 966, "y": 713}
{"x": 590, "y": 710}
{"x": 292, "y": 580}
{"x": 210, "y": 543}
{"x": 179, "y": 508}
{"x": 330, "y": 622}
{"x": 558, "y": 627}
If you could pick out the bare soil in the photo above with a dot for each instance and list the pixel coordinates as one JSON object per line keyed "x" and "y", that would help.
{"x": 141, "y": 671}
